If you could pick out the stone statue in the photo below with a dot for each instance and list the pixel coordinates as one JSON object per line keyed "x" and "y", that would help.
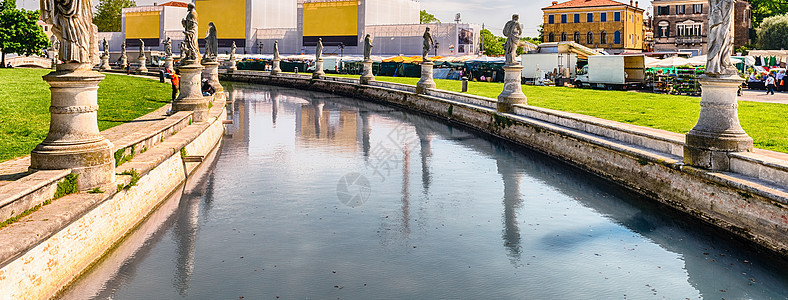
{"x": 429, "y": 43}
{"x": 142, "y": 49}
{"x": 211, "y": 44}
{"x": 276, "y": 50}
{"x": 105, "y": 44}
{"x": 123, "y": 50}
{"x": 168, "y": 47}
{"x": 319, "y": 49}
{"x": 183, "y": 48}
{"x": 368, "y": 47}
{"x": 720, "y": 38}
{"x": 232, "y": 52}
{"x": 191, "y": 51}
{"x": 55, "y": 47}
{"x": 72, "y": 23}
{"x": 512, "y": 31}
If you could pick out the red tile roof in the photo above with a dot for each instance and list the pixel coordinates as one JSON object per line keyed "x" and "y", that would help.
{"x": 585, "y": 3}
{"x": 175, "y": 3}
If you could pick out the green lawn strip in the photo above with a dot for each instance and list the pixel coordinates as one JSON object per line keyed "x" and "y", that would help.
{"x": 24, "y": 117}
{"x": 764, "y": 122}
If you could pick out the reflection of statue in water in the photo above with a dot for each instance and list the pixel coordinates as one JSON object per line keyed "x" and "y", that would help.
{"x": 512, "y": 31}
{"x": 168, "y": 47}
{"x": 211, "y": 44}
{"x": 368, "y": 47}
{"x": 142, "y": 48}
{"x": 105, "y": 44}
{"x": 720, "y": 38}
{"x": 276, "y": 50}
{"x": 191, "y": 50}
{"x": 429, "y": 43}
{"x": 319, "y": 49}
{"x": 72, "y": 24}
{"x": 232, "y": 52}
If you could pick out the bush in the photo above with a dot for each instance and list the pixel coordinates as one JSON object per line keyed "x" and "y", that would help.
{"x": 773, "y": 33}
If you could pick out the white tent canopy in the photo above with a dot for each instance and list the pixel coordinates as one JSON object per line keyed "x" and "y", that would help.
{"x": 672, "y": 62}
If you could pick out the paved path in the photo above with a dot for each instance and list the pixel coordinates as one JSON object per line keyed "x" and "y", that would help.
{"x": 760, "y": 96}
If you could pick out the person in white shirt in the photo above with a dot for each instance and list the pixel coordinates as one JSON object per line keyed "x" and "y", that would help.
{"x": 779, "y": 81}
{"x": 769, "y": 84}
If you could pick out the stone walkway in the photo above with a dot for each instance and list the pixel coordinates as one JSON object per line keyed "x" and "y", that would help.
{"x": 760, "y": 96}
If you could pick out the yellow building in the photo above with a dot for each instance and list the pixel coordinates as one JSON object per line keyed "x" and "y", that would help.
{"x": 600, "y": 24}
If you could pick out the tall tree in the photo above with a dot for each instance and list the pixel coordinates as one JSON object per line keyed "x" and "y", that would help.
{"x": 7, "y": 4}
{"x": 427, "y": 18}
{"x": 108, "y": 14}
{"x": 762, "y": 9}
{"x": 493, "y": 45}
{"x": 19, "y": 32}
{"x": 773, "y": 33}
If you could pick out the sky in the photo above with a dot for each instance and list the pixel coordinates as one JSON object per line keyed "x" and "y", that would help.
{"x": 492, "y": 13}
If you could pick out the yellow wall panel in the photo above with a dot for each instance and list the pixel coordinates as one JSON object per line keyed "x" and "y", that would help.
{"x": 142, "y": 25}
{"x": 338, "y": 18}
{"x": 229, "y": 16}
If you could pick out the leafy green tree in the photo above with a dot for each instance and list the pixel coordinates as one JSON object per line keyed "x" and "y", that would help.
{"x": 773, "y": 33}
{"x": 19, "y": 32}
{"x": 762, "y": 9}
{"x": 427, "y": 18}
{"x": 108, "y": 14}
{"x": 493, "y": 45}
{"x": 7, "y": 4}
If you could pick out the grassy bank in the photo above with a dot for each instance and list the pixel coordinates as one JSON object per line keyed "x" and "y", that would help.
{"x": 764, "y": 122}
{"x": 24, "y": 117}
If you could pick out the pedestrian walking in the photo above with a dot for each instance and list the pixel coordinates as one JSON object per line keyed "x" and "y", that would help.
{"x": 128, "y": 68}
{"x": 176, "y": 81}
{"x": 770, "y": 85}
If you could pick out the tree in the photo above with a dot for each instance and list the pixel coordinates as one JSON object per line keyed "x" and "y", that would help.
{"x": 7, "y": 4}
{"x": 19, "y": 32}
{"x": 427, "y": 18}
{"x": 762, "y": 9}
{"x": 493, "y": 45}
{"x": 773, "y": 33}
{"x": 108, "y": 14}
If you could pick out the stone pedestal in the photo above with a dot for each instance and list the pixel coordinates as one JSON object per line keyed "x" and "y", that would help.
{"x": 105, "y": 63}
{"x": 190, "y": 97}
{"x": 123, "y": 61}
{"x": 318, "y": 69}
{"x": 232, "y": 67}
{"x": 74, "y": 141}
{"x": 512, "y": 89}
{"x": 275, "y": 69}
{"x": 718, "y": 131}
{"x": 366, "y": 74}
{"x": 168, "y": 63}
{"x": 142, "y": 68}
{"x": 426, "y": 81}
{"x": 211, "y": 73}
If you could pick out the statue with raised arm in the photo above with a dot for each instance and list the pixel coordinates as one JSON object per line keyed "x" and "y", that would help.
{"x": 368, "y": 47}
{"x": 105, "y": 44}
{"x": 72, "y": 24}
{"x": 512, "y": 31}
{"x": 720, "y": 38}
{"x": 191, "y": 51}
{"x": 168, "y": 47}
{"x": 142, "y": 48}
{"x": 232, "y": 51}
{"x": 429, "y": 43}
{"x": 319, "y": 49}
{"x": 276, "y": 50}
{"x": 211, "y": 44}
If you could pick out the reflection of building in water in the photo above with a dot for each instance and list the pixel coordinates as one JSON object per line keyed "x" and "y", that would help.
{"x": 329, "y": 124}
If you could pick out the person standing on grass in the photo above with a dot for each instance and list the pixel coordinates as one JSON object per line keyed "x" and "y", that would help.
{"x": 176, "y": 81}
{"x": 769, "y": 84}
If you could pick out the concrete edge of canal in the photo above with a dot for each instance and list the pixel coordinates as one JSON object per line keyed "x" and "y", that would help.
{"x": 71, "y": 234}
{"x": 750, "y": 202}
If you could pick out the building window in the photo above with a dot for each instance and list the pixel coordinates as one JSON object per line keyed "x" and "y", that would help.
{"x": 617, "y": 16}
{"x": 663, "y": 29}
{"x": 563, "y": 36}
{"x": 551, "y": 37}
{"x": 590, "y": 17}
{"x": 697, "y": 8}
{"x": 563, "y": 19}
{"x": 680, "y": 9}
{"x": 689, "y": 30}
{"x": 617, "y": 37}
{"x": 589, "y": 38}
{"x": 663, "y": 10}
{"x": 551, "y": 19}
{"x": 603, "y": 38}
{"x": 603, "y": 17}
{"x": 576, "y": 37}
{"x": 577, "y": 18}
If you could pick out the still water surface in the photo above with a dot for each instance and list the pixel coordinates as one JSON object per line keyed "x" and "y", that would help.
{"x": 314, "y": 196}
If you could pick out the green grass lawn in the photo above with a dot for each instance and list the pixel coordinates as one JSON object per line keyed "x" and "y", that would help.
{"x": 764, "y": 122}
{"x": 24, "y": 117}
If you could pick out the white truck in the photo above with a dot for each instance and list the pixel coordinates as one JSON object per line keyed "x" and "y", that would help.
{"x": 535, "y": 64}
{"x": 613, "y": 72}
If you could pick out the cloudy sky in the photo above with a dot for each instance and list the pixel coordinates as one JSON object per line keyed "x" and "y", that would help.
{"x": 493, "y": 13}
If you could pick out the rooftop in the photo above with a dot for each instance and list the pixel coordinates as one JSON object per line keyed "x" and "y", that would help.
{"x": 585, "y": 3}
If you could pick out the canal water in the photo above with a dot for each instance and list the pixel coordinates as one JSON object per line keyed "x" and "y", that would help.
{"x": 315, "y": 196}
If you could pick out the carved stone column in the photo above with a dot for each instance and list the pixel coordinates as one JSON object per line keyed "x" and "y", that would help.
{"x": 105, "y": 63}
{"x": 168, "y": 63}
{"x": 718, "y": 131}
{"x": 142, "y": 68}
{"x": 190, "y": 97}
{"x": 512, "y": 89}
{"x": 426, "y": 81}
{"x": 211, "y": 73}
{"x": 366, "y": 74}
{"x": 275, "y": 69}
{"x": 74, "y": 141}
{"x": 318, "y": 69}
{"x": 232, "y": 67}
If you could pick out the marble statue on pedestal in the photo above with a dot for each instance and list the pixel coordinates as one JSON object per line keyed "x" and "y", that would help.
{"x": 319, "y": 49}
{"x": 368, "y": 47}
{"x": 429, "y": 43}
{"x": 72, "y": 23}
{"x": 142, "y": 49}
{"x": 720, "y": 36}
{"x": 105, "y": 44}
{"x": 123, "y": 50}
{"x": 232, "y": 52}
{"x": 512, "y": 31}
{"x": 168, "y": 47}
{"x": 211, "y": 44}
{"x": 189, "y": 49}
{"x": 276, "y": 50}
